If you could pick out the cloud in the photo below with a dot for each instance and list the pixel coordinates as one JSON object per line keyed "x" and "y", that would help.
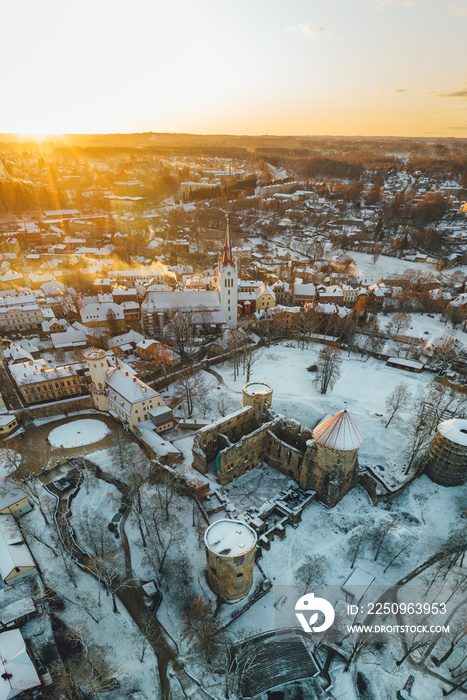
{"x": 455, "y": 93}
{"x": 392, "y": 92}
{"x": 461, "y": 11}
{"x": 309, "y": 30}
{"x": 393, "y": 3}
{"x": 458, "y": 128}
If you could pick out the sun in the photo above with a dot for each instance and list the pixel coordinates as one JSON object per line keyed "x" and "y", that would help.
{"x": 39, "y": 137}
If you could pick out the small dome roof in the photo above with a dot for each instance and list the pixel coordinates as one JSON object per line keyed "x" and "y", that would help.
{"x": 339, "y": 433}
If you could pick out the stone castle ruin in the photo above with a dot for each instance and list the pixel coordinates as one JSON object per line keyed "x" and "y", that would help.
{"x": 324, "y": 460}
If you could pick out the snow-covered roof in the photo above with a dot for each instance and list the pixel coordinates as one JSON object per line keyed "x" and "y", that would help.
{"x": 6, "y": 419}
{"x": 404, "y": 362}
{"x": 13, "y": 611}
{"x": 357, "y": 584}
{"x": 146, "y": 343}
{"x": 339, "y": 433}
{"x": 130, "y": 337}
{"x": 37, "y": 371}
{"x": 8, "y": 495}
{"x": 13, "y": 551}
{"x": 304, "y": 290}
{"x": 16, "y": 664}
{"x": 159, "y": 445}
{"x": 126, "y": 388}
{"x": 16, "y": 352}
{"x": 51, "y": 288}
{"x": 265, "y": 289}
{"x": 454, "y": 430}
{"x": 192, "y": 300}
{"x": 230, "y": 538}
{"x": 69, "y": 338}
{"x": 99, "y": 312}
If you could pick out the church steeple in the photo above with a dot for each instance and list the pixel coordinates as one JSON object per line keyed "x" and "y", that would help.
{"x": 227, "y": 257}
{"x": 227, "y": 281}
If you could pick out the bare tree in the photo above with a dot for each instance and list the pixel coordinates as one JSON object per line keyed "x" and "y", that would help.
{"x": 240, "y": 663}
{"x": 250, "y": 357}
{"x": 111, "y": 319}
{"x": 180, "y": 332}
{"x": 359, "y": 544}
{"x": 398, "y": 399}
{"x": 201, "y": 627}
{"x": 27, "y": 479}
{"x": 416, "y": 639}
{"x": 384, "y": 532}
{"x": 87, "y": 673}
{"x": 400, "y": 323}
{"x": 438, "y": 399}
{"x": 329, "y": 368}
{"x": 188, "y": 387}
{"x": 446, "y": 351}
{"x": 312, "y": 570}
{"x": 150, "y": 632}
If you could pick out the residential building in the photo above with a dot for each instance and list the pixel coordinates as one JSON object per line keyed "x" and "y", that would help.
{"x": 38, "y": 382}
{"x": 16, "y": 561}
{"x": 123, "y": 395}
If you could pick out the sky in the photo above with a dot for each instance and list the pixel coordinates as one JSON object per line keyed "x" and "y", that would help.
{"x": 344, "y": 67}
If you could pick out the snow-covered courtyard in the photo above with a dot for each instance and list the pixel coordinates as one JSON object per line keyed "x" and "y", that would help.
{"x": 78, "y": 433}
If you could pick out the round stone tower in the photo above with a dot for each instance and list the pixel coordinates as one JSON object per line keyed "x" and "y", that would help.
{"x": 257, "y": 394}
{"x": 331, "y": 458}
{"x": 446, "y": 461}
{"x": 98, "y": 366}
{"x": 230, "y": 553}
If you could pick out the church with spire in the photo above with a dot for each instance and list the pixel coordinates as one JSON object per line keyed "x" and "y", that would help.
{"x": 227, "y": 281}
{"x": 218, "y": 307}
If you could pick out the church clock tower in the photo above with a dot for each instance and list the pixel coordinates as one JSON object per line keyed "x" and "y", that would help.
{"x": 228, "y": 281}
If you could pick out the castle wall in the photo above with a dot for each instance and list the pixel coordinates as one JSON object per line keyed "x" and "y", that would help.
{"x": 241, "y": 442}
{"x": 331, "y": 473}
{"x": 207, "y": 442}
{"x": 236, "y": 459}
{"x": 282, "y": 456}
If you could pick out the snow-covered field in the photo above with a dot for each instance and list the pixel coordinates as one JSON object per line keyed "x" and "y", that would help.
{"x": 78, "y": 433}
{"x": 386, "y": 266}
{"x": 363, "y": 387}
{"x": 425, "y": 516}
{"x": 425, "y": 327}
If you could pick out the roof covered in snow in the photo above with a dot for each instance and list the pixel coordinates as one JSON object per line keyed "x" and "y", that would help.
{"x": 192, "y": 300}
{"x": 16, "y": 663}
{"x": 126, "y": 389}
{"x": 339, "y": 433}
{"x": 230, "y": 538}
{"x": 454, "y": 430}
{"x": 13, "y": 552}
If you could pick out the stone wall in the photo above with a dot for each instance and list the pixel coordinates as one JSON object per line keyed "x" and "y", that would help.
{"x": 234, "y": 460}
{"x": 241, "y": 441}
{"x": 282, "y": 456}
{"x": 207, "y": 444}
{"x": 78, "y": 403}
{"x": 331, "y": 473}
{"x": 231, "y": 577}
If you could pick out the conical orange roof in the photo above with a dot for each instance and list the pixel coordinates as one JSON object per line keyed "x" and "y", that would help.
{"x": 339, "y": 433}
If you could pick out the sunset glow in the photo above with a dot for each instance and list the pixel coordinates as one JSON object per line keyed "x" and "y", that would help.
{"x": 362, "y": 67}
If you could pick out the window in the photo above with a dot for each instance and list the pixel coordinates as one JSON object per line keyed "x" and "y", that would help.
{"x": 239, "y": 560}
{"x": 239, "y": 575}
{"x": 213, "y": 570}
